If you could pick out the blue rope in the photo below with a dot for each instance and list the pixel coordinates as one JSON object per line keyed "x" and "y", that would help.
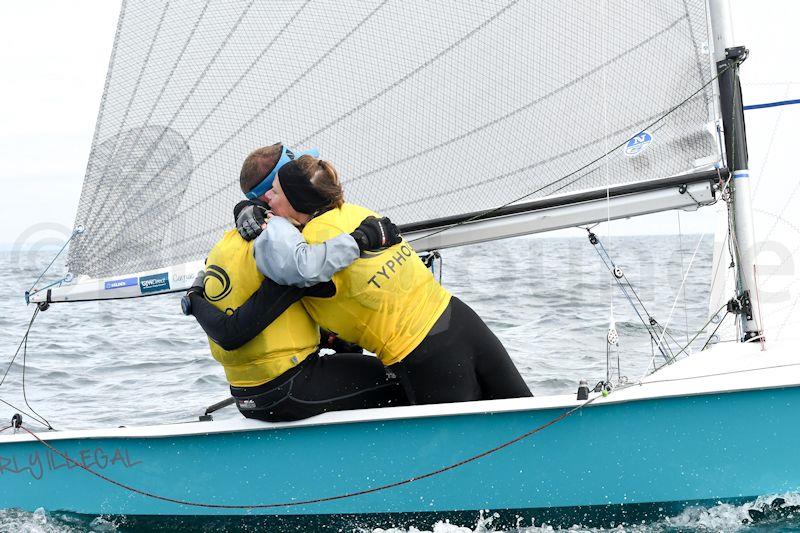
{"x": 771, "y": 104}
{"x": 609, "y": 263}
{"x": 56, "y": 282}
{"x": 30, "y": 291}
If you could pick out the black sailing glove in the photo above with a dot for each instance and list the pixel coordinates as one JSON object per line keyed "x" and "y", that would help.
{"x": 375, "y": 234}
{"x": 198, "y": 288}
{"x": 249, "y": 220}
{"x": 332, "y": 341}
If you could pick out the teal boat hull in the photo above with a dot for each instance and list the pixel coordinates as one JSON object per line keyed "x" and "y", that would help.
{"x": 662, "y": 453}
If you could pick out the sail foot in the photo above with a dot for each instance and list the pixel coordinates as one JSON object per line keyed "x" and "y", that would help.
{"x": 571, "y": 211}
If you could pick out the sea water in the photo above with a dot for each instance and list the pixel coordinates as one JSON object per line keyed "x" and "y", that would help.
{"x": 551, "y": 302}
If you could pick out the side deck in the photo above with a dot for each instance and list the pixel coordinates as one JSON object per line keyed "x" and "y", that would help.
{"x": 699, "y": 442}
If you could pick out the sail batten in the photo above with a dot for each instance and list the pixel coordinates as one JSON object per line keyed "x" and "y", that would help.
{"x": 428, "y": 111}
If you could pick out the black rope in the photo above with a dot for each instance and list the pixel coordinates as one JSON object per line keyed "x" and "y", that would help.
{"x": 646, "y": 323}
{"x": 715, "y": 330}
{"x": 35, "y": 312}
{"x": 717, "y": 374}
{"x": 23, "y": 345}
{"x": 14, "y": 407}
{"x": 406, "y": 481}
{"x": 680, "y": 247}
{"x": 30, "y": 291}
{"x": 627, "y": 281}
{"x": 259, "y": 113}
{"x": 569, "y": 84}
{"x": 672, "y": 338}
{"x": 431, "y": 60}
{"x": 719, "y": 259}
{"x": 104, "y": 205}
{"x": 312, "y": 67}
{"x": 700, "y": 331}
{"x": 733, "y": 245}
{"x": 667, "y": 336}
{"x": 24, "y": 393}
{"x": 430, "y": 262}
{"x": 204, "y": 234}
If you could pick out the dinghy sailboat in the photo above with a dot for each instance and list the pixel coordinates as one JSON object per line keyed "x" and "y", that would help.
{"x": 464, "y": 123}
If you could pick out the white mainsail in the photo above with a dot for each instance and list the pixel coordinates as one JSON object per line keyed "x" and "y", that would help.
{"x": 430, "y": 112}
{"x": 697, "y": 403}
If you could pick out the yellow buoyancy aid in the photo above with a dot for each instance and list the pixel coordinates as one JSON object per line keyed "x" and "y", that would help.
{"x": 231, "y": 277}
{"x": 386, "y": 302}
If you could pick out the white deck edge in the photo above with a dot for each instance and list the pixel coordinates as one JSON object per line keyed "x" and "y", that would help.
{"x": 721, "y": 369}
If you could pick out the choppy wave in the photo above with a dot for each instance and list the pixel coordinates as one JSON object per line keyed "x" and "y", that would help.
{"x": 549, "y": 300}
{"x": 720, "y": 517}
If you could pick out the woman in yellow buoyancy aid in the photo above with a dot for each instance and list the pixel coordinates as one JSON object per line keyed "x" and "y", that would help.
{"x": 387, "y": 302}
{"x": 274, "y": 370}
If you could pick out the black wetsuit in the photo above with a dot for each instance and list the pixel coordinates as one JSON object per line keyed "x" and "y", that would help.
{"x": 318, "y": 384}
{"x": 459, "y": 360}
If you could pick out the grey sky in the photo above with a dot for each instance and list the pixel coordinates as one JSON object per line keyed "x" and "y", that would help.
{"x": 53, "y": 59}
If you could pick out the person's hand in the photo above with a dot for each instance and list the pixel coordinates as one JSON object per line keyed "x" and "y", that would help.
{"x": 198, "y": 287}
{"x": 250, "y": 221}
{"x": 332, "y": 341}
{"x": 374, "y": 234}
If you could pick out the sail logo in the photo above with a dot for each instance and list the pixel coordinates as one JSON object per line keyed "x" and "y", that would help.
{"x": 154, "y": 283}
{"x": 638, "y": 142}
{"x": 223, "y": 285}
{"x": 119, "y": 283}
{"x": 179, "y": 278}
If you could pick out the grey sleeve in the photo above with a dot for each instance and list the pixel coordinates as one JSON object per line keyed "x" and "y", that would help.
{"x": 283, "y": 255}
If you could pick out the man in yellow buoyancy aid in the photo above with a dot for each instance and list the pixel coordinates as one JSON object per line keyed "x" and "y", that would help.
{"x": 274, "y": 371}
{"x": 387, "y": 302}
{"x": 230, "y": 279}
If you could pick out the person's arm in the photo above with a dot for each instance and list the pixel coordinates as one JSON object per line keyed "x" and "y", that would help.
{"x": 249, "y": 319}
{"x": 283, "y": 254}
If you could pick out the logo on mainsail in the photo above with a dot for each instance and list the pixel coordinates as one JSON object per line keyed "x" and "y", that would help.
{"x": 638, "y": 142}
{"x": 120, "y": 283}
{"x": 154, "y": 283}
{"x": 218, "y": 273}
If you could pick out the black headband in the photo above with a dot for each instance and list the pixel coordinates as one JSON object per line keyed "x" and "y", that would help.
{"x": 298, "y": 189}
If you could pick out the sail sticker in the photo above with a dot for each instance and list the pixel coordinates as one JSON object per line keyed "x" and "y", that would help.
{"x": 154, "y": 283}
{"x": 180, "y": 278}
{"x": 638, "y": 142}
{"x": 38, "y": 464}
{"x": 119, "y": 283}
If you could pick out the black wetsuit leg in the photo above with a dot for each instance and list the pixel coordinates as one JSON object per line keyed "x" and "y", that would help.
{"x": 460, "y": 361}
{"x": 319, "y": 384}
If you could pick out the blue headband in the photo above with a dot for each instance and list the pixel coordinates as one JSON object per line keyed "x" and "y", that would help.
{"x": 286, "y": 156}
